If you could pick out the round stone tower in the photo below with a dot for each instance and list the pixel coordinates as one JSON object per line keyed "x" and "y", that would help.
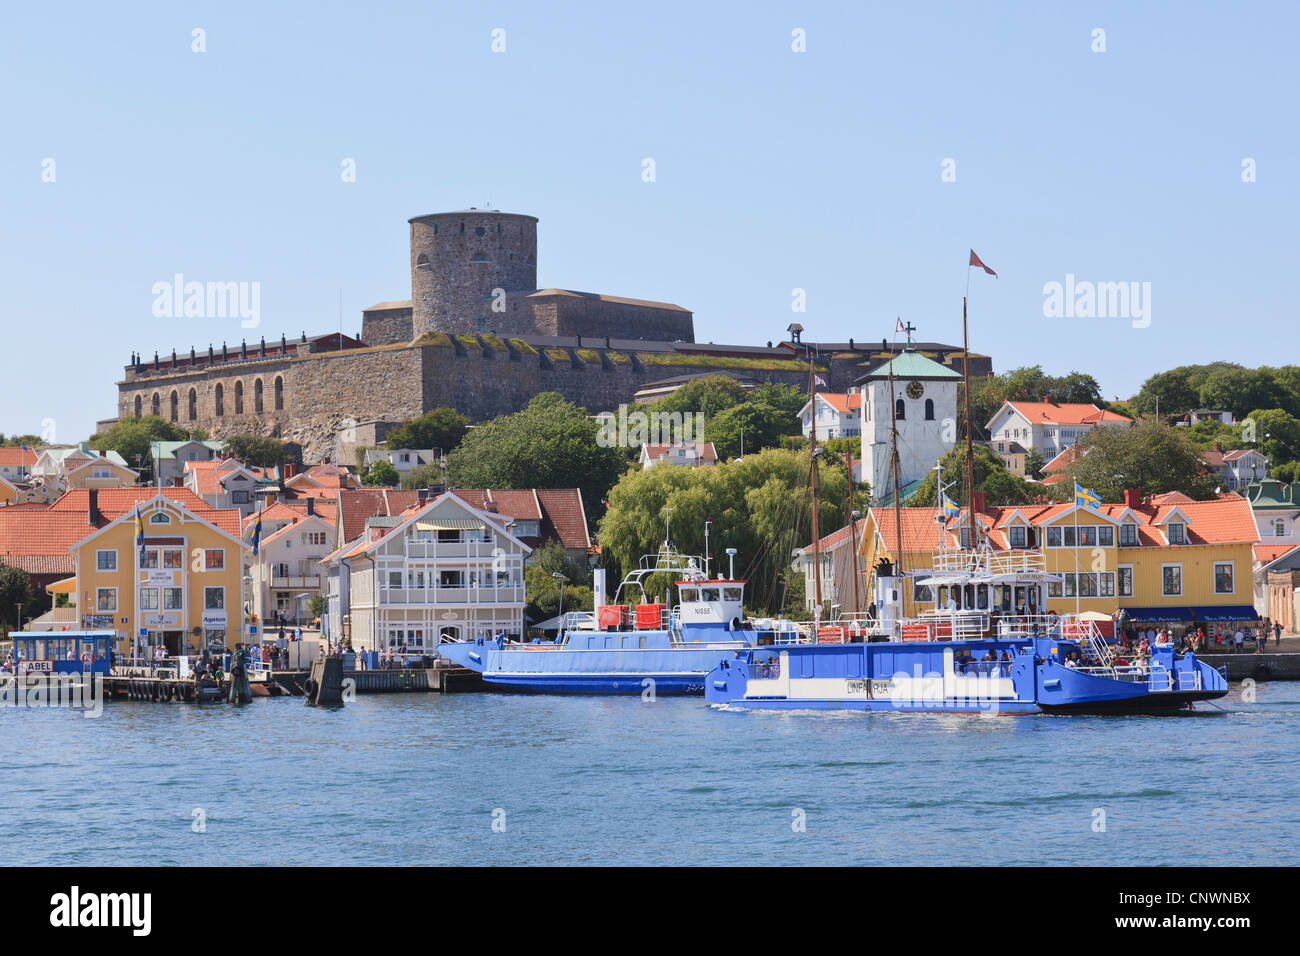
{"x": 459, "y": 258}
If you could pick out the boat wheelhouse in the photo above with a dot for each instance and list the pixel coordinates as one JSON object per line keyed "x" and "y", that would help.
{"x": 62, "y": 652}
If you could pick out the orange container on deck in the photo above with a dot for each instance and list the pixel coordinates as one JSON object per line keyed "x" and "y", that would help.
{"x": 611, "y": 617}
{"x": 650, "y": 615}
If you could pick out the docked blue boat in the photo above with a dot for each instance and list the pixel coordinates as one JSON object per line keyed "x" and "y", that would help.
{"x": 965, "y": 662}
{"x": 631, "y": 646}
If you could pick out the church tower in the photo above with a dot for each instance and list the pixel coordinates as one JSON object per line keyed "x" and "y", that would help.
{"x": 925, "y": 410}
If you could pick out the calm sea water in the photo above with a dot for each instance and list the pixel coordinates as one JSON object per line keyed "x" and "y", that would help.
{"x": 415, "y": 779}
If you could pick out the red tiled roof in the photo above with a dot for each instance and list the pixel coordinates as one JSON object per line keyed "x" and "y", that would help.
{"x": 842, "y": 402}
{"x": 1065, "y": 414}
{"x": 564, "y": 513}
{"x": 835, "y": 538}
{"x": 115, "y": 502}
{"x": 1268, "y": 553}
{"x": 704, "y": 449}
{"x": 14, "y": 456}
{"x": 293, "y": 509}
{"x": 355, "y": 505}
{"x": 1062, "y": 461}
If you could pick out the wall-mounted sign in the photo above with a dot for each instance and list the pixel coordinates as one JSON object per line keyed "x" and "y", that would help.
{"x": 160, "y": 579}
{"x": 214, "y": 619}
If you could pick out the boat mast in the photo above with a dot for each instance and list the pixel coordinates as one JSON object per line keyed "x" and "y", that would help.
{"x": 893, "y": 466}
{"x": 853, "y": 544}
{"x": 970, "y": 452}
{"x": 816, "y": 533}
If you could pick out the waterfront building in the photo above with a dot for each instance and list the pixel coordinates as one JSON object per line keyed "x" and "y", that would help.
{"x": 838, "y": 415}
{"x": 183, "y": 590}
{"x": 439, "y": 569}
{"x": 1161, "y": 559}
{"x": 1049, "y": 427}
{"x": 287, "y": 571}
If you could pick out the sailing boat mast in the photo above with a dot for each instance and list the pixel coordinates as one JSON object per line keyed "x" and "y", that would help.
{"x": 816, "y": 532}
{"x": 970, "y": 451}
{"x": 893, "y": 466}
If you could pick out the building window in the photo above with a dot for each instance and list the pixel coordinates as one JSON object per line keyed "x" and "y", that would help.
{"x": 1171, "y": 580}
{"x": 1279, "y": 528}
{"x": 155, "y": 405}
{"x": 105, "y": 599}
{"x": 220, "y": 401}
{"x": 1176, "y": 532}
{"x": 173, "y": 599}
{"x": 101, "y": 473}
{"x": 1053, "y": 537}
{"x": 105, "y": 560}
{"x": 193, "y": 405}
{"x": 1068, "y": 536}
{"x": 395, "y": 579}
{"x": 279, "y": 394}
{"x": 239, "y": 497}
{"x": 160, "y": 517}
{"x": 448, "y": 537}
{"x": 214, "y": 599}
{"x": 1223, "y": 577}
{"x": 139, "y": 407}
{"x": 214, "y": 559}
{"x": 257, "y": 397}
{"x": 1107, "y": 581}
{"x": 900, "y": 410}
{"x": 1017, "y": 536}
{"x": 1106, "y": 536}
{"x": 239, "y": 398}
{"x": 173, "y": 559}
{"x": 174, "y": 404}
{"x": 1088, "y": 537}
{"x": 929, "y": 409}
{"x": 451, "y": 579}
{"x": 148, "y": 599}
{"x": 1126, "y": 580}
{"x": 1128, "y": 535}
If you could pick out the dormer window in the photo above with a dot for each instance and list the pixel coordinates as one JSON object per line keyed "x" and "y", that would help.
{"x": 1176, "y": 532}
{"x": 160, "y": 517}
{"x": 1017, "y": 536}
{"x": 1128, "y": 535}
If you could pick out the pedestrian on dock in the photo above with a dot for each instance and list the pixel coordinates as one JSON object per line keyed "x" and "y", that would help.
{"x": 1238, "y": 641}
{"x": 1277, "y": 634}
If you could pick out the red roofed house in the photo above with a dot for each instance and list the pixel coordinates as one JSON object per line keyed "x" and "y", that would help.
{"x": 1048, "y": 427}
{"x": 689, "y": 453}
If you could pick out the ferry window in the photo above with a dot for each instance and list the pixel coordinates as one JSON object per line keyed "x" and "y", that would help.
{"x": 921, "y": 592}
{"x": 214, "y": 559}
{"x": 1126, "y": 580}
{"x": 172, "y": 599}
{"x": 1171, "y": 579}
{"x": 1128, "y": 535}
{"x": 710, "y": 594}
{"x": 732, "y": 594}
{"x": 943, "y": 595}
{"x": 1087, "y": 537}
{"x": 1223, "y": 577}
{"x": 982, "y": 597}
{"x": 1106, "y": 536}
{"x": 690, "y": 594}
{"x": 148, "y": 599}
{"x": 106, "y": 560}
{"x": 173, "y": 558}
{"x": 106, "y": 599}
{"x": 214, "y": 599}
{"x": 1053, "y": 537}
{"x": 641, "y": 642}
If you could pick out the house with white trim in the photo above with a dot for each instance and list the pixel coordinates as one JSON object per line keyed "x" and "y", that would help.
{"x": 1236, "y": 467}
{"x": 838, "y": 415}
{"x": 1049, "y": 427}
{"x": 287, "y": 571}
{"x": 439, "y": 569}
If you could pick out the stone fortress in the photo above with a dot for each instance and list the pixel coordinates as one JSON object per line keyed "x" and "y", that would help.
{"x": 477, "y": 335}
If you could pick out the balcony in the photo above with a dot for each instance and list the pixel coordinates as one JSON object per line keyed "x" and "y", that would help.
{"x": 295, "y": 581}
{"x": 444, "y": 596}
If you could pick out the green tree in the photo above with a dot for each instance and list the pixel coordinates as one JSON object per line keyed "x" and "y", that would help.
{"x": 543, "y": 588}
{"x": 786, "y": 398}
{"x": 14, "y": 441}
{"x": 425, "y": 476}
{"x": 130, "y": 438}
{"x": 550, "y": 444}
{"x": 441, "y": 428}
{"x": 761, "y": 505}
{"x": 260, "y": 451}
{"x": 1148, "y": 456}
{"x": 1034, "y": 462}
{"x": 708, "y": 394}
{"x": 1176, "y": 391}
{"x": 381, "y": 472}
{"x": 1240, "y": 389}
{"x": 755, "y": 424}
{"x": 16, "y": 592}
{"x": 1276, "y": 434}
{"x": 991, "y": 477}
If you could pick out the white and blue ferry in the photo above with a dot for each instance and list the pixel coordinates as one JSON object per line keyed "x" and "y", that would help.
{"x": 632, "y": 645}
{"x": 965, "y": 661}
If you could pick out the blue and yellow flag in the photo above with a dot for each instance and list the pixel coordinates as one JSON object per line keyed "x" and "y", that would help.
{"x": 257, "y": 531}
{"x": 950, "y": 508}
{"x": 1085, "y": 497}
{"x": 139, "y": 532}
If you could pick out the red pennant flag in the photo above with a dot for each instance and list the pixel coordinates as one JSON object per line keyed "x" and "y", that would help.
{"x": 976, "y": 261}
{"x": 900, "y": 328}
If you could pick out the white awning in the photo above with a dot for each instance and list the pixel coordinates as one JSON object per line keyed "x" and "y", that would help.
{"x": 450, "y": 524}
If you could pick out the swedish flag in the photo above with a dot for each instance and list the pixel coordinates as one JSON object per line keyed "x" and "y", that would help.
{"x": 1085, "y": 497}
{"x": 950, "y": 508}
{"x": 257, "y": 532}
{"x": 139, "y": 532}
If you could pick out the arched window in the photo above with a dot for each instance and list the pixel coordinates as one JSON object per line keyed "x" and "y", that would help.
{"x": 220, "y": 400}
{"x": 194, "y": 405}
{"x": 139, "y": 406}
{"x": 929, "y": 409}
{"x": 257, "y": 397}
{"x": 173, "y": 405}
{"x": 239, "y": 398}
{"x": 279, "y": 394}
{"x": 900, "y": 410}
{"x": 422, "y": 263}
{"x": 156, "y": 405}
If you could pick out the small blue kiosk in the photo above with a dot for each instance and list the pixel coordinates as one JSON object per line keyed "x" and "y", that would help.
{"x": 62, "y": 652}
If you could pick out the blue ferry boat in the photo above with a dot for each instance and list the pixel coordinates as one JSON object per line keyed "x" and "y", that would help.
{"x": 632, "y": 645}
{"x": 964, "y": 661}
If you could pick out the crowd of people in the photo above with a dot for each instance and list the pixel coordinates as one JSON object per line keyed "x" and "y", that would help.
{"x": 1217, "y": 638}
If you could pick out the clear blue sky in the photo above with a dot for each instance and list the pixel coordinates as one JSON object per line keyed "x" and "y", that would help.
{"x": 775, "y": 170}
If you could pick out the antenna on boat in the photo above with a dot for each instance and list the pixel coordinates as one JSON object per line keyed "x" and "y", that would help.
{"x": 970, "y": 452}
{"x": 706, "y": 547}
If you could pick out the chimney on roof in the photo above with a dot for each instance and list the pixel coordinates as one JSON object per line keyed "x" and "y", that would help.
{"x": 1132, "y": 497}
{"x": 179, "y": 481}
{"x": 290, "y": 469}
{"x": 311, "y": 505}
{"x": 491, "y": 506}
{"x": 92, "y": 509}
